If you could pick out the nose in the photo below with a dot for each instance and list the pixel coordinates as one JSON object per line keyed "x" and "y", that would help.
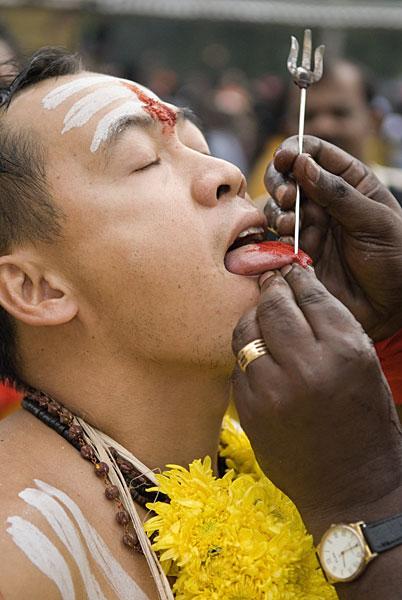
{"x": 216, "y": 180}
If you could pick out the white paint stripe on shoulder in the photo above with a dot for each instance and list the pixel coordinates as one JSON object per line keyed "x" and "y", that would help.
{"x": 43, "y": 554}
{"x": 62, "y": 92}
{"x": 63, "y": 527}
{"x": 124, "y": 586}
{"x": 85, "y": 108}
{"x": 133, "y": 107}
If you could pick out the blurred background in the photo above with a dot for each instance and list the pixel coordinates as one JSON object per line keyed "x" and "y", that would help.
{"x": 226, "y": 60}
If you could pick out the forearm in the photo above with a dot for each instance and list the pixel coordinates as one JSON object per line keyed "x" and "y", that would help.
{"x": 383, "y": 576}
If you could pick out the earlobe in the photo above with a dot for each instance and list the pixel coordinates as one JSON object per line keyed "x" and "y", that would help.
{"x": 33, "y": 296}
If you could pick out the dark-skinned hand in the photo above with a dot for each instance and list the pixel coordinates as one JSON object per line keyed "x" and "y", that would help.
{"x": 351, "y": 226}
{"x": 317, "y": 408}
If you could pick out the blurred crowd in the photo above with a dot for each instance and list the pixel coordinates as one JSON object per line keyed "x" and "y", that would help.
{"x": 245, "y": 118}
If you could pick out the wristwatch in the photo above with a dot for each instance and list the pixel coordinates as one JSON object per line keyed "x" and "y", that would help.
{"x": 345, "y": 550}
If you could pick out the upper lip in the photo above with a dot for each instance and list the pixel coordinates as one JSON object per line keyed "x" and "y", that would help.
{"x": 254, "y": 219}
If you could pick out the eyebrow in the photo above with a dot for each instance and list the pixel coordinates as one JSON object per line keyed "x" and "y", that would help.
{"x": 125, "y": 123}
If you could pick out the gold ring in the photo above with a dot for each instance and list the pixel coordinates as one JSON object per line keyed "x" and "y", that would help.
{"x": 251, "y": 352}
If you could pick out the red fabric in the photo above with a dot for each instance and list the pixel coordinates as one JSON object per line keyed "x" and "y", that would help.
{"x": 389, "y": 352}
{"x": 9, "y": 400}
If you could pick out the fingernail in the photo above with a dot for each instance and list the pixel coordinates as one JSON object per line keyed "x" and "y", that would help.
{"x": 265, "y": 276}
{"x": 280, "y": 192}
{"x": 286, "y": 270}
{"x": 312, "y": 170}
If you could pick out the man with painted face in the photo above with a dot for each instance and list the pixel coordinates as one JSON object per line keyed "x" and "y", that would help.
{"x": 118, "y": 307}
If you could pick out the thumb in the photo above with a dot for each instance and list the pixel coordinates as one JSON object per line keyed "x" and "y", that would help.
{"x": 356, "y": 212}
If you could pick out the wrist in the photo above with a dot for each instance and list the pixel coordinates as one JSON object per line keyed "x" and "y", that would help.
{"x": 318, "y": 520}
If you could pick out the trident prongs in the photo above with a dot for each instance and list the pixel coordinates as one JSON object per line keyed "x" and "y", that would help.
{"x": 303, "y": 77}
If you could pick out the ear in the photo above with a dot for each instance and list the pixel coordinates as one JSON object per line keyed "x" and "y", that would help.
{"x": 32, "y": 294}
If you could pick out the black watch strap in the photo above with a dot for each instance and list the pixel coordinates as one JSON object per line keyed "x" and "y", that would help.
{"x": 383, "y": 535}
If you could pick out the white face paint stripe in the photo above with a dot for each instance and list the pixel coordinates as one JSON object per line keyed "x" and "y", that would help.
{"x": 83, "y": 110}
{"x": 68, "y": 535}
{"x": 43, "y": 554}
{"x": 58, "y": 95}
{"x": 111, "y": 120}
{"x": 124, "y": 586}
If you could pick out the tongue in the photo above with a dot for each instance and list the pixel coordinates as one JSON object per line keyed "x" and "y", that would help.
{"x": 255, "y": 259}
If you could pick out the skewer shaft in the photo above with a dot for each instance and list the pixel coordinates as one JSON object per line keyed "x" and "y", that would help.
{"x": 302, "y": 114}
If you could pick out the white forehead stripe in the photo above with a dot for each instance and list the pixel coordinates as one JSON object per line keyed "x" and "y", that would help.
{"x": 85, "y": 108}
{"x": 108, "y": 122}
{"x": 90, "y": 104}
{"x": 62, "y": 92}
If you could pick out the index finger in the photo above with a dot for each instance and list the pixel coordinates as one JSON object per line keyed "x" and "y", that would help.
{"x": 283, "y": 325}
{"x": 328, "y": 318}
{"x": 335, "y": 161}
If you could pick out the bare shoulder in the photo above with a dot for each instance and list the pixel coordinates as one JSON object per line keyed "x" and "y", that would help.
{"x": 20, "y": 530}
{"x": 58, "y": 534}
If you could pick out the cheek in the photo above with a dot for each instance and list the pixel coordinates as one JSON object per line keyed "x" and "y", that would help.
{"x": 155, "y": 270}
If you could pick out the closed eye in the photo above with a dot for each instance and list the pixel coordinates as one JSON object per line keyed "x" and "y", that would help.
{"x": 147, "y": 166}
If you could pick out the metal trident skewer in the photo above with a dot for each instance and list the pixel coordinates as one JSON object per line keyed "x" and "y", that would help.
{"x": 303, "y": 77}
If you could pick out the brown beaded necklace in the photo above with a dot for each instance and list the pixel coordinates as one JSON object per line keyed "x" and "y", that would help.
{"x": 61, "y": 420}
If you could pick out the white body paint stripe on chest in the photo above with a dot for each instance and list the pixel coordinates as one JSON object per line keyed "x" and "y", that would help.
{"x": 85, "y": 108}
{"x": 43, "y": 554}
{"x": 124, "y": 586}
{"x": 43, "y": 499}
{"x": 65, "y": 530}
{"x": 105, "y": 125}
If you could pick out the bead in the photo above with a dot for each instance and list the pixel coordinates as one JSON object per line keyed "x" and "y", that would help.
{"x": 139, "y": 549}
{"x": 75, "y": 431}
{"x": 65, "y": 416}
{"x": 87, "y": 452}
{"x": 130, "y": 540}
{"x": 122, "y": 517}
{"x": 112, "y": 492}
{"x": 101, "y": 468}
{"x": 42, "y": 401}
{"x": 53, "y": 407}
{"x": 114, "y": 452}
{"x": 124, "y": 466}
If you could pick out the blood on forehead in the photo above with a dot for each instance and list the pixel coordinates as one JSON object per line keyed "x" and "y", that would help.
{"x": 157, "y": 109}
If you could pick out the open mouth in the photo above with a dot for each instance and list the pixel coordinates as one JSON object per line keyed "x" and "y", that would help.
{"x": 251, "y": 235}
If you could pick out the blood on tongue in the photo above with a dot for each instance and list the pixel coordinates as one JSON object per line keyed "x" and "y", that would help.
{"x": 254, "y": 259}
{"x": 281, "y": 249}
{"x": 157, "y": 109}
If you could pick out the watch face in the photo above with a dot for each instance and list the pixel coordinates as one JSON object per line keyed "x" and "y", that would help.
{"x": 342, "y": 553}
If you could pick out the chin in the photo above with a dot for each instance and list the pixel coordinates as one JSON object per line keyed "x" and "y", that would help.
{"x": 246, "y": 292}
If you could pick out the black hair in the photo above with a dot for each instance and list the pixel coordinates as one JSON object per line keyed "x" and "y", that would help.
{"x": 27, "y": 211}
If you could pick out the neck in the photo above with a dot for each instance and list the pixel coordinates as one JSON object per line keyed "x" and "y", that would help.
{"x": 161, "y": 414}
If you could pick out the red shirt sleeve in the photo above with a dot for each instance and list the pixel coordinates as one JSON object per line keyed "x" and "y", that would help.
{"x": 389, "y": 352}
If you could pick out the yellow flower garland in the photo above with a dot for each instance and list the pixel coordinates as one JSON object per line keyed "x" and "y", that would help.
{"x": 236, "y": 537}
